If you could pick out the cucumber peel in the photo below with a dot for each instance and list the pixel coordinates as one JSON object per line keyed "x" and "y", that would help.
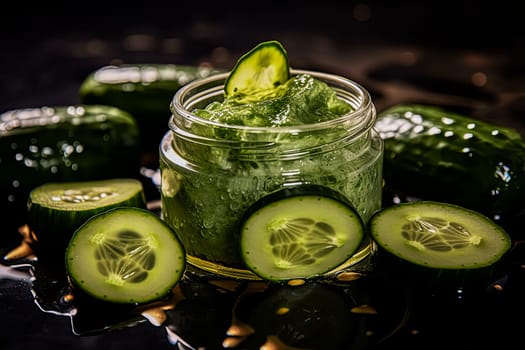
{"x": 299, "y": 233}
{"x": 439, "y": 235}
{"x": 261, "y": 69}
{"x": 437, "y": 154}
{"x": 125, "y": 255}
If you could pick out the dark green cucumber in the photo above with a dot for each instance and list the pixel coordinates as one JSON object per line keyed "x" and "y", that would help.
{"x": 143, "y": 90}
{"x": 125, "y": 255}
{"x": 435, "y": 154}
{"x": 438, "y": 243}
{"x": 63, "y": 143}
{"x": 301, "y": 232}
{"x": 57, "y": 209}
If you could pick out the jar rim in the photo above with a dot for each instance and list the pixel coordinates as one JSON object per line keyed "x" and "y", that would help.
{"x": 178, "y": 107}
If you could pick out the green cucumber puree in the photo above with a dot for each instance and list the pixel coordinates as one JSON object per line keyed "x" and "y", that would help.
{"x": 301, "y": 100}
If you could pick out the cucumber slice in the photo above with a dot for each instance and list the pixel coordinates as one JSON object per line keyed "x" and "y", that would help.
{"x": 262, "y": 68}
{"x": 57, "y": 209}
{"x": 125, "y": 255}
{"x": 439, "y": 235}
{"x": 300, "y": 232}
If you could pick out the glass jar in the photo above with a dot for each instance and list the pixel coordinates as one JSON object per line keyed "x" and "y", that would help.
{"x": 209, "y": 180}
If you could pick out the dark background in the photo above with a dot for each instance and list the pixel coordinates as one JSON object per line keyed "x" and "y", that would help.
{"x": 416, "y": 51}
{"x": 48, "y": 49}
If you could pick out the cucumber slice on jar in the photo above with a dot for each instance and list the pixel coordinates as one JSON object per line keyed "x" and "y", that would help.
{"x": 125, "y": 255}
{"x": 299, "y": 233}
{"x": 262, "y": 68}
{"x": 439, "y": 235}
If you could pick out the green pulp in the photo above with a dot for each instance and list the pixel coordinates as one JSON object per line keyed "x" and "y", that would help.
{"x": 301, "y": 100}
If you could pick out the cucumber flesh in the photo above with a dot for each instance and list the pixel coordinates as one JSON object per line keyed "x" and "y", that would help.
{"x": 88, "y": 195}
{"x": 300, "y": 233}
{"x": 262, "y": 68}
{"x": 125, "y": 255}
{"x": 439, "y": 235}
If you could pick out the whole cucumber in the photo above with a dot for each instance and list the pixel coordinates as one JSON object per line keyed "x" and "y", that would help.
{"x": 143, "y": 90}
{"x": 436, "y": 154}
{"x": 64, "y": 143}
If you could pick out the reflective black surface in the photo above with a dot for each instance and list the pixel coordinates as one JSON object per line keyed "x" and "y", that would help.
{"x": 466, "y": 56}
{"x": 382, "y": 309}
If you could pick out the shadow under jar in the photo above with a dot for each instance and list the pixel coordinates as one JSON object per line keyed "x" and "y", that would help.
{"x": 211, "y": 173}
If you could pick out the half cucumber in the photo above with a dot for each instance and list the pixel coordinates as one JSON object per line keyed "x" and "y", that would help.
{"x": 57, "y": 209}
{"x": 262, "y": 68}
{"x": 439, "y": 235}
{"x": 125, "y": 255}
{"x": 300, "y": 232}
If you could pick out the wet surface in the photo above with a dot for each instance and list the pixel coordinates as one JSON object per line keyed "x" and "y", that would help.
{"x": 380, "y": 310}
{"x": 399, "y": 53}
